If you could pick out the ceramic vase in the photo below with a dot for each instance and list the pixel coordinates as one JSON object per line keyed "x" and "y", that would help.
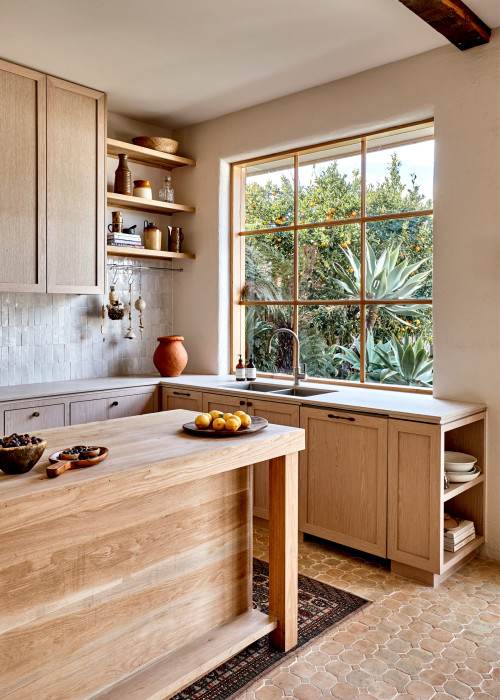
{"x": 123, "y": 176}
{"x": 170, "y": 356}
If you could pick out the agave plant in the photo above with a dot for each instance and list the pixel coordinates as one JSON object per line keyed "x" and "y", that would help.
{"x": 410, "y": 360}
{"x": 376, "y": 369}
{"x": 385, "y": 278}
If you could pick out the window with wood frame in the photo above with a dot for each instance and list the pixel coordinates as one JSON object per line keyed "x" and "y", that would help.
{"x": 334, "y": 241}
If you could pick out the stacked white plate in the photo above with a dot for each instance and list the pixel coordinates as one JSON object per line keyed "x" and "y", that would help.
{"x": 460, "y": 467}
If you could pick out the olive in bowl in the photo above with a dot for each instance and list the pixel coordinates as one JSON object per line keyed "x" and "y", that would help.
{"x": 20, "y": 453}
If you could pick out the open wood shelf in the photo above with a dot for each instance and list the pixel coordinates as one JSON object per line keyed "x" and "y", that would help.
{"x": 180, "y": 668}
{"x": 151, "y": 205}
{"x": 455, "y": 489}
{"x": 129, "y": 252}
{"x": 147, "y": 156}
{"x": 450, "y": 559}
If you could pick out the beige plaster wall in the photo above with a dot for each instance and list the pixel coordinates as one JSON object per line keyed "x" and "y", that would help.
{"x": 462, "y": 92}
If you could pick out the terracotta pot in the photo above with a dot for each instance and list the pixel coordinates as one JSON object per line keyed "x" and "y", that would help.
{"x": 170, "y": 356}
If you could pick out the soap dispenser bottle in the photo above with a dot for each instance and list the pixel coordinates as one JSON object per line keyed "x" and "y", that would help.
{"x": 250, "y": 371}
{"x": 240, "y": 371}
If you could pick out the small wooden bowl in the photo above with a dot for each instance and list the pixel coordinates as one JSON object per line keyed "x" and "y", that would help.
{"x": 19, "y": 460}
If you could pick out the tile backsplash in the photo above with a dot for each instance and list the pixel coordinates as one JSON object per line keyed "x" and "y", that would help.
{"x": 54, "y": 337}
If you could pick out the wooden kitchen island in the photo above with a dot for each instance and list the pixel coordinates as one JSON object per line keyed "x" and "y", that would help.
{"x": 132, "y": 578}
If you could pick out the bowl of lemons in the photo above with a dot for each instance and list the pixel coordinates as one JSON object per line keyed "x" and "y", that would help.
{"x": 224, "y": 424}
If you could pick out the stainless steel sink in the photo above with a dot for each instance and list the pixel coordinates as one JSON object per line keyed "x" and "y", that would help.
{"x": 255, "y": 386}
{"x": 303, "y": 391}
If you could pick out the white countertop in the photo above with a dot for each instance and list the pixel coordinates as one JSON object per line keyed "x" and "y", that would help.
{"x": 395, "y": 404}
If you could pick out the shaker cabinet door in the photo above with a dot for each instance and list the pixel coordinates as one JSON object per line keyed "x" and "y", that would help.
{"x": 343, "y": 478}
{"x": 22, "y": 191}
{"x": 76, "y": 164}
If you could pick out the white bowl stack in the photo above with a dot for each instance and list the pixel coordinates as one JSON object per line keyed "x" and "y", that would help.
{"x": 460, "y": 467}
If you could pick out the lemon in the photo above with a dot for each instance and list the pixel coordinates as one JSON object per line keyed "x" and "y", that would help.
{"x": 246, "y": 421}
{"x": 240, "y": 414}
{"x": 219, "y": 424}
{"x": 227, "y": 416}
{"x": 231, "y": 425}
{"x": 203, "y": 421}
{"x": 237, "y": 419}
{"x": 215, "y": 414}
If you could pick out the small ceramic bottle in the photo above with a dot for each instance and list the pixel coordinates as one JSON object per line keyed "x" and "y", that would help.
{"x": 240, "y": 371}
{"x": 123, "y": 176}
{"x": 250, "y": 371}
{"x": 142, "y": 188}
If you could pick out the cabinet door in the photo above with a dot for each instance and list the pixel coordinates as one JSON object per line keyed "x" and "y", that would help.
{"x": 88, "y": 411}
{"x": 226, "y": 403}
{"x": 32, "y": 419}
{"x": 22, "y": 192}
{"x": 281, "y": 414}
{"x": 181, "y": 398}
{"x": 343, "y": 478}
{"x": 76, "y": 161}
{"x": 415, "y": 486}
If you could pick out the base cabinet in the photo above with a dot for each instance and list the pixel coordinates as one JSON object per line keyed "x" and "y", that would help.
{"x": 172, "y": 399}
{"x": 114, "y": 406}
{"x": 343, "y": 478}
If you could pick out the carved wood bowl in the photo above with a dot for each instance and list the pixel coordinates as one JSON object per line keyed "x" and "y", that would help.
{"x": 19, "y": 460}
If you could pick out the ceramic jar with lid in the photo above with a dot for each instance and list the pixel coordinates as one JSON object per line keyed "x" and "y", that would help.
{"x": 142, "y": 188}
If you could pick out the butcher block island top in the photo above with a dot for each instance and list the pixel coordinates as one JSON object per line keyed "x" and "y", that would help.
{"x": 132, "y": 578}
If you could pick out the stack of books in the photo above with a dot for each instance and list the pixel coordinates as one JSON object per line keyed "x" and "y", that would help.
{"x": 132, "y": 240}
{"x": 458, "y": 536}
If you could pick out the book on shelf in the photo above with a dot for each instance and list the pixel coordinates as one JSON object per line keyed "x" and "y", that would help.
{"x": 454, "y": 547}
{"x": 461, "y": 527}
{"x": 124, "y": 239}
{"x": 465, "y": 533}
{"x": 125, "y": 245}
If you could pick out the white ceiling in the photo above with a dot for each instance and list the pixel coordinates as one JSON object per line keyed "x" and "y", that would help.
{"x": 178, "y": 62}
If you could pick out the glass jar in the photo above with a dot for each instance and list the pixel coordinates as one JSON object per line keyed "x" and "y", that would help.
{"x": 166, "y": 193}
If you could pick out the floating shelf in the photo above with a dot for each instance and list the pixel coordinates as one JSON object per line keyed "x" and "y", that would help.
{"x": 125, "y": 251}
{"x": 147, "y": 156}
{"x": 455, "y": 489}
{"x": 150, "y": 205}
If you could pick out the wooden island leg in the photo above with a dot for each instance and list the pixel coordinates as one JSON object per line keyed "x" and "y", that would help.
{"x": 283, "y": 549}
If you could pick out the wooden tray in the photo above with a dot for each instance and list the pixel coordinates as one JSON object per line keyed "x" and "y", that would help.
{"x": 61, "y": 465}
{"x": 258, "y": 423}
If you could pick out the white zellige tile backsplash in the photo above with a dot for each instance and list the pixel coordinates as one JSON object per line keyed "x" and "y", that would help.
{"x": 54, "y": 337}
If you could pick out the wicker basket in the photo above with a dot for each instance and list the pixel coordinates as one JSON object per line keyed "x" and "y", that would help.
{"x": 157, "y": 143}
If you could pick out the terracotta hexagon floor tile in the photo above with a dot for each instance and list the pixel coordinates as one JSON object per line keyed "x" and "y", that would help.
{"x": 383, "y": 691}
{"x": 492, "y": 687}
{"x": 317, "y": 658}
{"x": 286, "y": 681}
{"x": 352, "y": 657}
{"x": 345, "y": 691}
{"x": 269, "y": 692}
{"x": 306, "y": 692}
{"x": 302, "y": 669}
{"x": 323, "y": 680}
{"x": 420, "y": 690}
{"x": 457, "y": 689}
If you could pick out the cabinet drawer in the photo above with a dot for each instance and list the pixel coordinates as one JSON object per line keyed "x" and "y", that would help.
{"x": 32, "y": 419}
{"x": 114, "y": 406}
{"x": 181, "y": 398}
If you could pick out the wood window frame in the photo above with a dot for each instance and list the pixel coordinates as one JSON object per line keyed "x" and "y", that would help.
{"x": 237, "y": 252}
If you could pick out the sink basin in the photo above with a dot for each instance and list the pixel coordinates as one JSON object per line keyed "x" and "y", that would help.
{"x": 255, "y": 386}
{"x": 303, "y": 391}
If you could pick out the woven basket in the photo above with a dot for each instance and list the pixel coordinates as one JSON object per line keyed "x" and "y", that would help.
{"x": 157, "y": 143}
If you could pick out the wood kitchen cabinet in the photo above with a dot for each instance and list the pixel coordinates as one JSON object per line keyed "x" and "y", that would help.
{"x": 23, "y": 186}
{"x": 181, "y": 398}
{"x": 226, "y": 402}
{"x": 32, "y": 419}
{"x": 113, "y": 406}
{"x": 52, "y": 195}
{"x": 343, "y": 478}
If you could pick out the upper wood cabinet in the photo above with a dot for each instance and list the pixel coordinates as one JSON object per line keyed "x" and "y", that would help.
{"x": 52, "y": 195}
{"x": 76, "y": 176}
{"x": 23, "y": 186}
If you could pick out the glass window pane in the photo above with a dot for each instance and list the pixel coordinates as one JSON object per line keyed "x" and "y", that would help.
{"x": 269, "y": 267}
{"x": 399, "y": 258}
{"x": 260, "y": 322}
{"x": 269, "y": 195}
{"x": 330, "y": 184}
{"x": 399, "y": 345}
{"x": 329, "y": 262}
{"x": 326, "y": 334}
{"x": 399, "y": 178}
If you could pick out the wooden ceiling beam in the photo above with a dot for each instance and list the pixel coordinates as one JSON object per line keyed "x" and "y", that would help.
{"x": 453, "y": 19}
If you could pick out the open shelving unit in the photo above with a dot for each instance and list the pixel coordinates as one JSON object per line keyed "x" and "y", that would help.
{"x": 157, "y": 159}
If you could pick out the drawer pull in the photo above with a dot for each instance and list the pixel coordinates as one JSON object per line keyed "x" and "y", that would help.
{"x": 249, "y": 403}
{"x": 330, "y": 415}
{"x": 36, "y": 414}
{"x": 115, "y": 403}
{"x": 242, "y": 403}
{"x": 181, "y": 393}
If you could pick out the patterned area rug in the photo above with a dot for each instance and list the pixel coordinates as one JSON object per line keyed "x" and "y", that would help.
{"x": 320, "y": 608}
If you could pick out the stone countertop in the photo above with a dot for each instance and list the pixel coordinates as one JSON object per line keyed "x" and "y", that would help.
{"x": 395, "y": 404}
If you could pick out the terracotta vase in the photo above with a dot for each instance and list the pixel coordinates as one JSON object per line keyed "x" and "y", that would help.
{"x": 170, "y": 356}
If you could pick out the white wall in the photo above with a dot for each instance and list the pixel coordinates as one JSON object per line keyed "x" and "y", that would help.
{"x": 462, "y": 92}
